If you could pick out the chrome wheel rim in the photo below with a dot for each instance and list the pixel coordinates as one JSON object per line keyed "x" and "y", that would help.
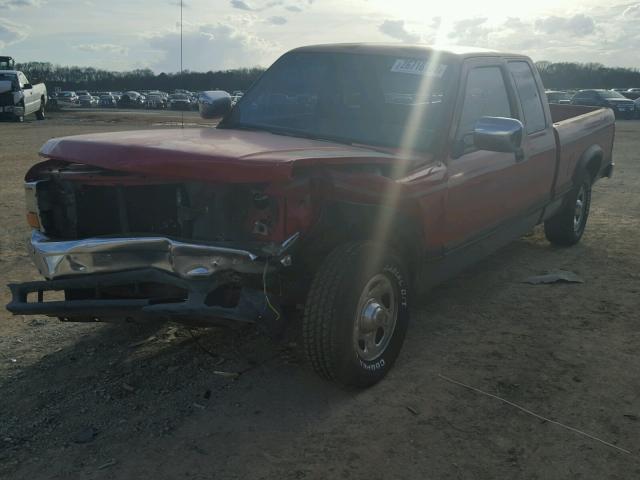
{"x": 376, "y": 317}
{"x": 578, "y": 212}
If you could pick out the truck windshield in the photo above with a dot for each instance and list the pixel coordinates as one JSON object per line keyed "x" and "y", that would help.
{"x": 353, "y": 98}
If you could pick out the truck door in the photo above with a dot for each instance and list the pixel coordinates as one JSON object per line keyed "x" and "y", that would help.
{"x": 536, "y": 167}
{"x": 28, "y": 94}
{"x": 482, "y": 185}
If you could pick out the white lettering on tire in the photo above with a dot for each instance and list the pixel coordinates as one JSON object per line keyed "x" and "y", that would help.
{"x": 373, "y": 366}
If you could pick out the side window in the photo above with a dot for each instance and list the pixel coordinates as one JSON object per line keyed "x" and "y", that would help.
{"x": 485, "y": 96}
{"x": 22, "y": 79}
{"x": 534, "y": 120}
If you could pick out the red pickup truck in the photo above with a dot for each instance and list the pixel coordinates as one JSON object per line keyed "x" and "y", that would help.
{"x": 346, "y": 180}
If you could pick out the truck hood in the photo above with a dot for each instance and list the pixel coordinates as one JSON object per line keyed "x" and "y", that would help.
{"x": 207, "y": 154}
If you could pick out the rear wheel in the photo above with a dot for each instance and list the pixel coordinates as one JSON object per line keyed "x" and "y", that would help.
{"x": 356, "y": 315}
{"x": 40, "y": 114}
{"x": 567, "y": 226}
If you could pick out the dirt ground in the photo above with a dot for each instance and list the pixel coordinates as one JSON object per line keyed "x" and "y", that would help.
{"x": 100, "y": 401}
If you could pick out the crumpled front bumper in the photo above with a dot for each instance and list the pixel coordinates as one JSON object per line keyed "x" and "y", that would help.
{"x": 55, "y": 259}
{"x": 98, "y": 264}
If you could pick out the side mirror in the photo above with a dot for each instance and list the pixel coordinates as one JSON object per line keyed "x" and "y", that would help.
{"x": 27, "y": 86}
{"x": 498, "y": 134}
{"x": 214, "y": 104}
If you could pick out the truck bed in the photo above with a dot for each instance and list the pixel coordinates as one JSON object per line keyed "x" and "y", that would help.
{"x": 578, "y": 129}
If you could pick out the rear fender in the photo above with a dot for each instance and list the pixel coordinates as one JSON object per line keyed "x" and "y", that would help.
{"x": 591, "y": 161}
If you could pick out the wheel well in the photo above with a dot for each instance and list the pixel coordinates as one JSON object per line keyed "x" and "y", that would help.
{"x": 343, "y": 222}
{"x": 593, "y": 166}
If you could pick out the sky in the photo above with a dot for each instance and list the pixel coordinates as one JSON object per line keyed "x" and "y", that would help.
{"x": 224, "y": 34}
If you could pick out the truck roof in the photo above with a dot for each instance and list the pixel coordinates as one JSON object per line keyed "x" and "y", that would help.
{"x": 14, "y": 72}
{"x": 452, "y": 52}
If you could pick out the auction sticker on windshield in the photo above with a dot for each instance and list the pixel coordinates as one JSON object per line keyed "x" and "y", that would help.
{"x": 418, "y": 67}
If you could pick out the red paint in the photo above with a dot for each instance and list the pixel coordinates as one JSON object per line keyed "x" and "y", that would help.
{"x": 206, "y": 154}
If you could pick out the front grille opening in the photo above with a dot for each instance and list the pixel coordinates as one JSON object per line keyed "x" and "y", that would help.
{"x": 226, "y": 296}
{"x": 6, "y": 99}
{"x": 107, "y": 210}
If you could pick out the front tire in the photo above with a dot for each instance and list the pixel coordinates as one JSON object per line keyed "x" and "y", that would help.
{"x": 567, "y": 226}
{"x": 356, "y": 314}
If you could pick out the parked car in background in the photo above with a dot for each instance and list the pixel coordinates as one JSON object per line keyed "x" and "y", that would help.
{"x": 632, "y": 93}
{"x": 52, "y": 103}
{"x": 556, "y": 96}
{"x": 67, "y": 99}
{"x": 155, "y": 101}
{"x": 18, "y": 97}
{"x": 107, "y": 101}
{"x": 322, "y": 206}
{"x": 637, "y": 105}
{"x": 131, "y": 99}
{"x": 621, "y": 106}
{"x": 87, "y": 100}
{"x": 180, "y": 101}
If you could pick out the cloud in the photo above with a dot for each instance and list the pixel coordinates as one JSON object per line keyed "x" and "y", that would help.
{"x": 210, "y": 47}
{"x": 471, "y": 31}
{"x": 277, "y": 20}
{"x": 241, "y": 5}
{"x": 395, "y": 29}
{"x": 293, "y": 8}
{"x": 577, "y": 26}
{"x": 632, "y": 11}
{"x": 103, "y": 48}
{"x": 11, "y": 33}
{"x": 13, "y": 4}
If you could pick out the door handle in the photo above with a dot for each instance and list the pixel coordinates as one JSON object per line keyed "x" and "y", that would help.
{"x": 519, "y": 153}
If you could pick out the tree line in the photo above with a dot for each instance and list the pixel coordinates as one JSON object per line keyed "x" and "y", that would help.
{"x": 94, "y": 79}
{"x": 563, "y": 75}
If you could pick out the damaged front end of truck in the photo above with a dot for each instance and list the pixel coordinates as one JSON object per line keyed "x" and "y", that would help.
{"x": 203, "y": 226}
{"x": 115, "y": 246}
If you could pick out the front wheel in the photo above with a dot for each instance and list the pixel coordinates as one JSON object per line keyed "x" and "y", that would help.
{"x": 567, "y": 226}
{"x": 356, "y": 314}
